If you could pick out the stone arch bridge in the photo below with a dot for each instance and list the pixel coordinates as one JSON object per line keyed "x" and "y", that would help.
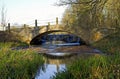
{"x": 40, "y": 34}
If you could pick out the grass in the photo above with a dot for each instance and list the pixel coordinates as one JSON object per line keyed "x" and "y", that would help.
{"x": 18, "y": 64}
{"x": 96, "y": 66}
{"x": 109, "y": 44}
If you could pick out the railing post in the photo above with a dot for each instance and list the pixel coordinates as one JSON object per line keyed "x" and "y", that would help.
{"x": 36, "y": 23}
{"x": 47, "y": 27}
{"x": 36, "y": 26}
{"x": 56, "y": 20}
{"x": 9, "y": 27}
{"x": 57, "y": 25}
{"x": 36, "y": 29}
{"x": 24, "y": 26}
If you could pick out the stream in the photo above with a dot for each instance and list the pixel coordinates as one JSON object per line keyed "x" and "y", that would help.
{"x": 50, "y": 67}
{"x": 58, "y": 55}
{"x": 54, "y": 62}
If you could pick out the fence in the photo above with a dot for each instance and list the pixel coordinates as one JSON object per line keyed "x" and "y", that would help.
{"x": 35, "y": 24}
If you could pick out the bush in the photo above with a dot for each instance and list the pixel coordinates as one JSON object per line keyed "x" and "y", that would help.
{"x": 8, "y": 37}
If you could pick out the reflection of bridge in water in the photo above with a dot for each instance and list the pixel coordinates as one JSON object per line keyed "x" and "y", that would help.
{"x": 51, "y": 66}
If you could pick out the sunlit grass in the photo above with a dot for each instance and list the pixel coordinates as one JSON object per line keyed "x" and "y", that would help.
{"x": 94, "y": 67}
{"x": 18, "y": 64}
{"x": 109, "y": 44}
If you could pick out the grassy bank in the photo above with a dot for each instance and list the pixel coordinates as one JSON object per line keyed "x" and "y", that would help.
{"x": 94, "y": 67}
{"x": 97, "y": 66}
{"x": 110, "y": 44}
{"x": 18, "y": 64}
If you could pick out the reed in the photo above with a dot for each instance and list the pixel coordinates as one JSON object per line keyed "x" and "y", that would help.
{"x": 18, "y": 64}
{"x": 94, "y": 67}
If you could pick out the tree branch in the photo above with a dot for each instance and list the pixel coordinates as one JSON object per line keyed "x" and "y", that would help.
{"x": 70, "y": 2}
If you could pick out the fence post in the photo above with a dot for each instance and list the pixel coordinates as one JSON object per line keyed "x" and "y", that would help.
{"x": 57, "y": 25}
{"x": 48, "y": 26}
{"x": 56, "y": 20}
{"x": 25, "y": 28}
{"x": 36, "y": 23}
{"x": 36, "y": 28}
{"x": 9, "y": 27}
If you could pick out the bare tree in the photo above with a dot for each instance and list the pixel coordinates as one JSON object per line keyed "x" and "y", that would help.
{"x": 3, "y": 17}
{"x": 70, "y": 2}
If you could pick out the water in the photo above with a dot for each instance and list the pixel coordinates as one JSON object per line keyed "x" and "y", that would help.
{"x": 50, "y": 67}
{"x": 49, "y": 71}
{"x": 55, "y": 61}
{"x": 58, "y": 54}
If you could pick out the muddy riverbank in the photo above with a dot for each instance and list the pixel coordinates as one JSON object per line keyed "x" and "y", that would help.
{"x": 66, "y": 49}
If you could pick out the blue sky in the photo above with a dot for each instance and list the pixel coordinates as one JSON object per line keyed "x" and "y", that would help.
{"x": 24, "y": 11}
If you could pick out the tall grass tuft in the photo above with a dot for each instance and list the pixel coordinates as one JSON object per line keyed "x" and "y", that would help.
{"x": 94, "y": 67}
{"x": 18, "y": 64}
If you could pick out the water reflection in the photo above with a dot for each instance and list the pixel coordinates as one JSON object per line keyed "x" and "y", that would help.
{"x": 51, "y": 66}
{"x": 60, "y": 54}
{"x": 54, "y": 61}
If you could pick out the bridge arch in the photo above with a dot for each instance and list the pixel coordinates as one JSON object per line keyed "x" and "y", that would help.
{"x": 38, "y": 40}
